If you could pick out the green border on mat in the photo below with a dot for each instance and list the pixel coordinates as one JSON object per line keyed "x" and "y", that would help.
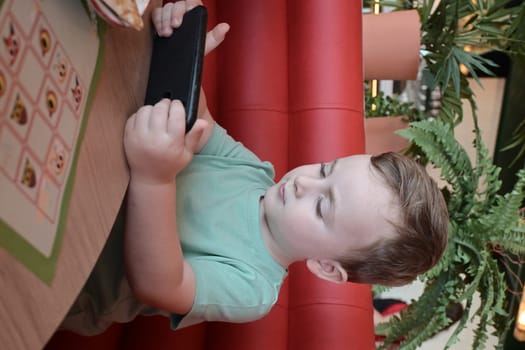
{"x": 42, "y": 266}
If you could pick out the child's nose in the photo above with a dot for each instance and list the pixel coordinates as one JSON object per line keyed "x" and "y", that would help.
{"x": 305, "y": 185}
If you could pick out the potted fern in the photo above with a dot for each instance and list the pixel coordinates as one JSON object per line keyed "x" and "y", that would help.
{"x": 455, "y": 34}
{"x": 484, "y": 224}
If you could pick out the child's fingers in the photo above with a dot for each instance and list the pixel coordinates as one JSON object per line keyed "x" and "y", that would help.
{"x": 167, "y": 17}
{"x": 130, "y": 125}
{"x": 132, "y": 120}
{"x": 156, "y": 18}
{"x": 193, "y": 137}
{"x": 176, "y": 119}
{"x": 142, "y": 117}
{"x": 161, "y": 17}
{"x": 159, "y": 116}
{"x": 216, "y": 36}
{"x": 175, "y": 19}
{"x": 192, "y": 3}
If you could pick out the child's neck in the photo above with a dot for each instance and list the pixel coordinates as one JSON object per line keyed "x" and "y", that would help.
{"x": 273, "y": 248}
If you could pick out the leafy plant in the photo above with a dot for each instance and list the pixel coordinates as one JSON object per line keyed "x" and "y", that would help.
{"x": 483, "y": 224}
{"x": 517, "y": 140}
{"x": 455, "y": 34}
{"x": 382, "y": 105}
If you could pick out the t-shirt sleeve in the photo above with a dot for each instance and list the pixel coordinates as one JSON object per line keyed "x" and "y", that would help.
{"x": 227, "y": 291}
{"x": 223, "y": 145}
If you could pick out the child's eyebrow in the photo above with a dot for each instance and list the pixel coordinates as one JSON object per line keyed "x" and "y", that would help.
{"x": 333, "y": 166}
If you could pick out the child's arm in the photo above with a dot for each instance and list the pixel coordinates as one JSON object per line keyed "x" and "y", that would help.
{"x": 157, "y": 149}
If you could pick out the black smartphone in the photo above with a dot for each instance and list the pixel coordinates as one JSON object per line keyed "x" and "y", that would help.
{"x": 176, "y": 64}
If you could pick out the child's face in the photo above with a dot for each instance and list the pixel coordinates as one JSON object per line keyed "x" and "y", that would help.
{"x": 324, "y": 211}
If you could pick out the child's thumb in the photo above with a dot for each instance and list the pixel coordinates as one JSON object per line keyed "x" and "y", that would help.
{"x": 194, "y": 135}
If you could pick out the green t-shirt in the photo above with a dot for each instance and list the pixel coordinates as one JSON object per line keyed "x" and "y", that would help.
{"x": 236, "y": 278}
{"x": 218, "y": 198}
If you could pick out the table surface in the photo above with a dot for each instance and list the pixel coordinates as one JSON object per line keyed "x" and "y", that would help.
{"x": 30, "y": 310}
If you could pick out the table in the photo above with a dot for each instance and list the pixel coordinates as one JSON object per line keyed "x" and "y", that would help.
{"x": 30, "y": 310}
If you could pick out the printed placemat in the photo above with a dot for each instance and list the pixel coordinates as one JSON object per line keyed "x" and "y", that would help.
{"x": 50, "y": 52}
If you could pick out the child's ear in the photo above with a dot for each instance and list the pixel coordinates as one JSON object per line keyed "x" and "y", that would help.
{"x": 329, "y": 270}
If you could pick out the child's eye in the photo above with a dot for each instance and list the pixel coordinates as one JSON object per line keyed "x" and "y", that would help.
{"x": 318, "y": 208}
{"x": 323, "y": 170}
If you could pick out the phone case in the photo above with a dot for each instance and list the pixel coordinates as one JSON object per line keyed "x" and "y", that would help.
{"x": 176, "y": 64}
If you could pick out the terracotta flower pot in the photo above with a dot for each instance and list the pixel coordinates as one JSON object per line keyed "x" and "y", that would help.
{"x": 391, "y": 44}
{"x": 380, "y": 134}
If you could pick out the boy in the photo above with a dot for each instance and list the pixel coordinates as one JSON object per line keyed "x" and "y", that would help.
{"x": 215, "y": 244}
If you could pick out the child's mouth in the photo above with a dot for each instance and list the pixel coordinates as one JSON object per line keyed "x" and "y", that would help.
{"x": 281, "y": 191}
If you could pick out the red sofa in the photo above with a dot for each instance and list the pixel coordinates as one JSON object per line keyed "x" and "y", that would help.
{"x": 288, "y": 83}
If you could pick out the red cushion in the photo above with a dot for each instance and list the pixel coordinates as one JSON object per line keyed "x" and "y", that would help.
{"x": 287, "y": 82}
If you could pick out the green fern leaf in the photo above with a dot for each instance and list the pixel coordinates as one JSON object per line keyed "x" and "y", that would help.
{"x": 436, "y": 140}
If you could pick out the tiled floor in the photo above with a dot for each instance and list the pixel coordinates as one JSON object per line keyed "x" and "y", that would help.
{"x": 438, "y": 342}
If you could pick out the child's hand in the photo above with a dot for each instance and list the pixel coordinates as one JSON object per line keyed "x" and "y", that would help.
{"x": 171, "y": 14}
{"x": 156, "y": 145}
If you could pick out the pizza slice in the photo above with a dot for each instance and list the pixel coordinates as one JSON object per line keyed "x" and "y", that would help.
{"x": 122, "y": 12}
